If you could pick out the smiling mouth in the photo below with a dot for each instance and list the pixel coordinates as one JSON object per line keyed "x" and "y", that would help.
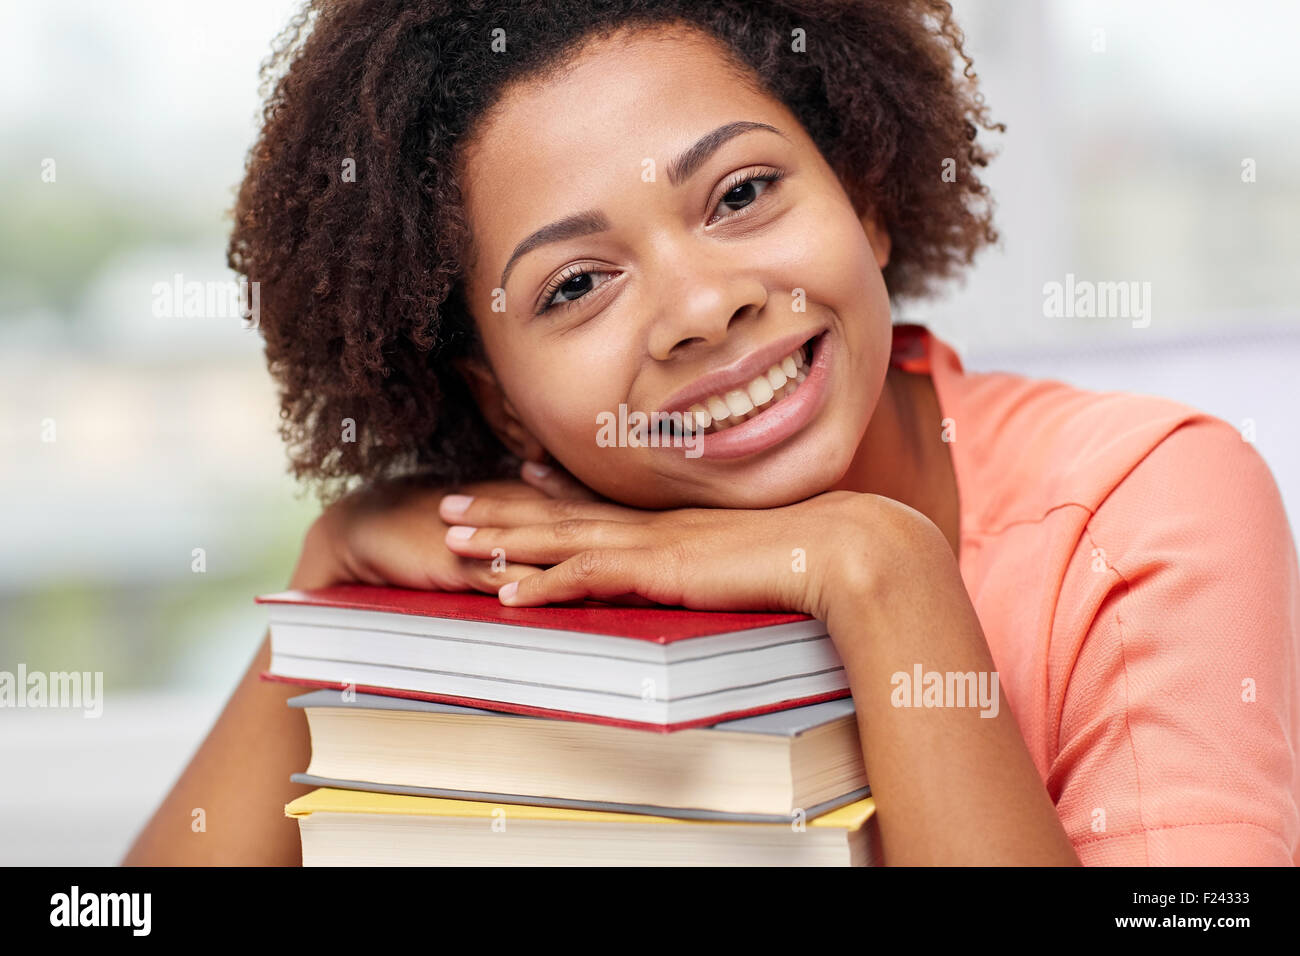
{"x": 719, "y": 412}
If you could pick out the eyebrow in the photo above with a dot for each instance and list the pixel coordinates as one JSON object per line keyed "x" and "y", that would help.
{"x": 593, "y": 220}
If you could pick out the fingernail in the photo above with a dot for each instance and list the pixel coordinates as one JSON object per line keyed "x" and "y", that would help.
{"x": 456, "y": 504}
{"x": 536, "y": 470}
{"x": 460, "y": 532}
{"x": 508, "y": 591}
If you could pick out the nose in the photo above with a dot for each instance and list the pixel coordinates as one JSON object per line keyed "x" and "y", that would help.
{"x": 702, "y": 293}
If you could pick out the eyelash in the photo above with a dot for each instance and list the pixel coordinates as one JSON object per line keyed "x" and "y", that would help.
{"x": 770, "y": 175}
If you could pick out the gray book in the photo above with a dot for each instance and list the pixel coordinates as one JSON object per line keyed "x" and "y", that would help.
{"x": 768, "y": 768}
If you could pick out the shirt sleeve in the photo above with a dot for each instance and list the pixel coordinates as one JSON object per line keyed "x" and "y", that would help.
{"x": 1177, "y": 699}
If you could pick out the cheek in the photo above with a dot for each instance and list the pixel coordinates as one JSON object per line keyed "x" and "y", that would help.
{"x": 563, "y": 394}
{"x": 822, "y": 248}
{"x": 826, "y": 252}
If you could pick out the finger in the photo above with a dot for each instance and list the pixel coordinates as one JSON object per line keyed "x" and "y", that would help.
{"x": 491, "y": 575}
{"x": 556, "y": 482}
{"x": 591, "y": 574}
{"x": 544, "y": 543}
{"x": 481, "y": 511}
{"x": 630, "y": 600}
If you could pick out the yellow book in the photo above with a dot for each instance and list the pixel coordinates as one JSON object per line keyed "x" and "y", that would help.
{"x": 359, "y": 828}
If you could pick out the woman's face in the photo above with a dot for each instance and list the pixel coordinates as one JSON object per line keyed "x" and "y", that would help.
{"x": 671, "y": 239}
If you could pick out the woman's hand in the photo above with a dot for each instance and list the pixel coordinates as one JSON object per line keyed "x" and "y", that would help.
{"x": 391, "y": 534}
{"x": 704, "y": 558}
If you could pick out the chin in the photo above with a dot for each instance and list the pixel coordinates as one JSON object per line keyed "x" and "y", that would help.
{"x": 773, "y": 485}
{"x": 803, "y": 469}
{"x": 776, "y": 494}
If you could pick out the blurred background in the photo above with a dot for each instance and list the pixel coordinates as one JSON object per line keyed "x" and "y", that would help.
{"x": 130, "y": 440}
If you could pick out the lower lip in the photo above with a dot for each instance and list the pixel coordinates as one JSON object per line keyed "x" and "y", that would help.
{"x": 780, "y": 421}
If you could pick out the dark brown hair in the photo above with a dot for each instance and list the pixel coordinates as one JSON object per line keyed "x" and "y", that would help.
{"x": 361, "y": 301}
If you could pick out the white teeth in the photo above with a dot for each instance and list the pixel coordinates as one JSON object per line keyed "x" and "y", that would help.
{"x": 719, "y": 412}
{"x": 738, "y": 402}
{"x": 760, "y": 392}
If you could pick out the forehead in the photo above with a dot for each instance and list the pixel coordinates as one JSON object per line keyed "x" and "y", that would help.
{"x": 554, "y": 146}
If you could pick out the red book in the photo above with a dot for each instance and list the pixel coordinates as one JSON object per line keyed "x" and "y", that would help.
{"x": 652, "y": 668}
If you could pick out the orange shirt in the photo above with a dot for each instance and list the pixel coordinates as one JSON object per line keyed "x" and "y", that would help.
{"x": 1136, "y": 578}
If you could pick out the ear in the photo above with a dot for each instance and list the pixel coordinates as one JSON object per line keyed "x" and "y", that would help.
{"x": 878, "y": 236}
{"x": 498, "y": 410}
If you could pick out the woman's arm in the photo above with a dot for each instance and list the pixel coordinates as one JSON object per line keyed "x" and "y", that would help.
{"x": 239, "y": 777}
{"x": 954, "y": 784}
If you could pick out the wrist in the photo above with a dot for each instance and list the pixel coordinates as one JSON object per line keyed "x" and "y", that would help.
{"x": 317, "y": 566}
{"x": 889, "y": 560}
{"x": 844, "y": 576}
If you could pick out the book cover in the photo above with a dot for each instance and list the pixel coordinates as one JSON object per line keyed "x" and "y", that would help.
{"x": 780, "y": 723}
{"x": 330, "y": 800}
{"x": 514, "y": 799}
{"x": 552, "y": 714}
{"x": 660, "y": 625}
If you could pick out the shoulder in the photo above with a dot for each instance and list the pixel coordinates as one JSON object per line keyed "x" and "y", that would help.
{"x": 1192, "y": 541}
{"x": 1027, "y": 446}
{"x": 1202, "y": 500}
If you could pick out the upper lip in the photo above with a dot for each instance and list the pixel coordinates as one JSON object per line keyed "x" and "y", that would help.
{"x": 736, "y": 374}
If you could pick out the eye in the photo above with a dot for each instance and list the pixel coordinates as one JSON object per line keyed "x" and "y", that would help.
{"x": 570, "y": 285}
{"x": 743, "y": 190}
{"x": 740, "y": 192}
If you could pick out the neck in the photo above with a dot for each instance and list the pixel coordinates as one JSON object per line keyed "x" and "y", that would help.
{"x": 903, "y": 455}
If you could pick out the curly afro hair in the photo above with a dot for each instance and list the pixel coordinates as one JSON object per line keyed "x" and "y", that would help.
{"x": 360, "y": 274}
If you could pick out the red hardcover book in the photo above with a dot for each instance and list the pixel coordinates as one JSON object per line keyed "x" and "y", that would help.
{"x": 652, "y": 668}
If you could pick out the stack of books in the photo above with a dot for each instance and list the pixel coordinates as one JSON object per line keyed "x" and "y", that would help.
{"x": 448, "y": 729}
